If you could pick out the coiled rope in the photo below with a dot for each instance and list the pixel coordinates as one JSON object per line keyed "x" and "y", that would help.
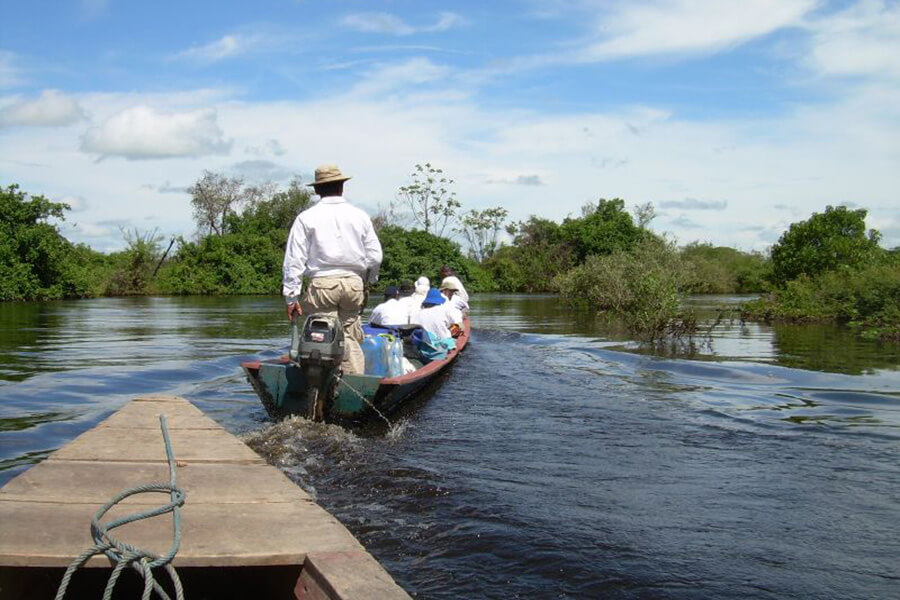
{"x": 123, "y": 554}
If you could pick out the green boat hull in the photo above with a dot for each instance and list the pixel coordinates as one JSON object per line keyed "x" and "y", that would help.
{"x": 281, "y": 387}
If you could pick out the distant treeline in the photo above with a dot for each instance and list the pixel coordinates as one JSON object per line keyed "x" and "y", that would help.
{"x": 605, "y": 260}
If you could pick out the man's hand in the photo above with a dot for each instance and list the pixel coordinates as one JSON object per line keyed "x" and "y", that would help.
{"x": 455, "y": 330}
{"x": 294, "y": 310}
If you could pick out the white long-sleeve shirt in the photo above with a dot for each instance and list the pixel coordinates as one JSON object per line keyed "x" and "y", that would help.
{"x": 390, "y": 312}
{"x": 332, "y": 238}
{"x": 412, "y": 304}
{"x": 437, "y": 320}
{"x": 458, "y": 303}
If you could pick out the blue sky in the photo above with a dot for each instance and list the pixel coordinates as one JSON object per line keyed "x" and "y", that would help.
{"x": 735, "y": 118}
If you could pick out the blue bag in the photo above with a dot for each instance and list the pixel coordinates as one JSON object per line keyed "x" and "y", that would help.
{"x": 431, "y": 347}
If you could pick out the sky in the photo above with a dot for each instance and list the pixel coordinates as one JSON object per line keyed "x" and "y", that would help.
{"x": 734, "y": 118}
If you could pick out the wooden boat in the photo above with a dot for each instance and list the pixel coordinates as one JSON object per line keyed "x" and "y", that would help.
{"x": 281, "y": 387}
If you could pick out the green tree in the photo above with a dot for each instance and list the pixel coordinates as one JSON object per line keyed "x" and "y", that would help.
{"x": 215, "y": 197}
{"x": 722, "y": 270}
{"x": 602, "y": 229}
{"x": 274, "y": 214}
{"x": 246, "y": 257}
{"x": 644, "y": 214}
{"x": 431, "y": 201}
{"x": 36, "y": 261}
{"x": 481, "y": 228}
{"x": 410, "y": 254}
{"x": 537, "y": 255}
{"x": 824, "y": 242}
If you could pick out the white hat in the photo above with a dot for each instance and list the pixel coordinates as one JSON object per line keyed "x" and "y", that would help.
{"x": 451, "y": 283}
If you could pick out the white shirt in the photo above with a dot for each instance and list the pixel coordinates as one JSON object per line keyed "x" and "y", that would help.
{"x": 390, "y": 312}
{"x": 437, "y": 320}
{"x": 462, "y": 293}
{"x": 412, "y": 304}
{"x": 331, "y": 238}
{"x": 457, "y": 302}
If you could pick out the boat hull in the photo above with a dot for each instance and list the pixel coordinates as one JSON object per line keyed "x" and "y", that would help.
{"x": 281, "y": 387}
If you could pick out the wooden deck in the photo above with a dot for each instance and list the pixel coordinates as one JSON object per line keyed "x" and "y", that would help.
{"x": 239, "y": 511}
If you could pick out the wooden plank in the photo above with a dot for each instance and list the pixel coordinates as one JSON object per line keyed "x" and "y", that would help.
{"x": 51, "y": 535}
{"x": 345, "y": 575}
{"x": 156, "y": 405}
{"x": 113, "y": 444}
{"x": 162, "y": 398}
{"x": 151, "y": 421}
{"x": 145, "y": 414}
{"x": 96, "y": 482}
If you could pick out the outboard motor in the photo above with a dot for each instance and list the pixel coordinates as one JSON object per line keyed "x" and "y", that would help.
{"x": 319, "y": 349}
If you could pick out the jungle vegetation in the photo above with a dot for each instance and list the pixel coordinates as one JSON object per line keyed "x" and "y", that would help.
{"x": 607, "y": 260}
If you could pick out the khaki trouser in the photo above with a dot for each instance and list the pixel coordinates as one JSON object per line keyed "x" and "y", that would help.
{"x": 342, "y": 297}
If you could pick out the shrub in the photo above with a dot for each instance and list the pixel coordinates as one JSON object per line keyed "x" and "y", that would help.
{"x": 721, "y": 270}
{"x": 643, "y": 287}
{"x": 868, "y": 298}
{"x": 133, "y": 267}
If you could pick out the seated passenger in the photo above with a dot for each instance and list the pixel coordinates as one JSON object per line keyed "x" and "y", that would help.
{"x": 391, "y": 312}
{"x": 422, "y": 287}
{"x": 409, "y": 299}
{"x": 450, "y": 288}
{"x": 438, "y": 317}
{"x": 448, "y": 273}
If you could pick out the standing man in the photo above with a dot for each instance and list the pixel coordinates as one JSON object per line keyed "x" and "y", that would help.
{"x": 334, "y": 244}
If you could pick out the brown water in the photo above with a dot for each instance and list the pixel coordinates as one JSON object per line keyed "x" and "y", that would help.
{"x": 557, "y": 458}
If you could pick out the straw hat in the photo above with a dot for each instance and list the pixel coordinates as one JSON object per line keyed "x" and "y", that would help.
{"x": 328, "y": 174}
{"x": 451, "y": 283}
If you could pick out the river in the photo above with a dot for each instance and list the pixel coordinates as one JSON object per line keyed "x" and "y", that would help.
{"x": 556, "y": 460}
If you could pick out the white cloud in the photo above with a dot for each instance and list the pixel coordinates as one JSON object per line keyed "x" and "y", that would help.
{"x": 251, "y": 40}
{"x": 863, "y": 39}
{"x": 386, "y": 23}
{"x": 372, "y": 22}
{"x": 226, "y": 47}
{"x": 76, "y": 203}
{"x": 812, "y": 155}
{"x": 695, "y": 204}
{"x": 684, "y": 222}
{"x": 446, "y": 20}
{"x": 530, "y": 179}
{"x": 91, "y": 230}
{"x": 272, "y": 147}
{"x": 51, "y": 109}
{"x": 394, "y": 76}
{"x": 262, "y": 171}
{"x": 650, "y": 27}
{"x": 141, "y": 132}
